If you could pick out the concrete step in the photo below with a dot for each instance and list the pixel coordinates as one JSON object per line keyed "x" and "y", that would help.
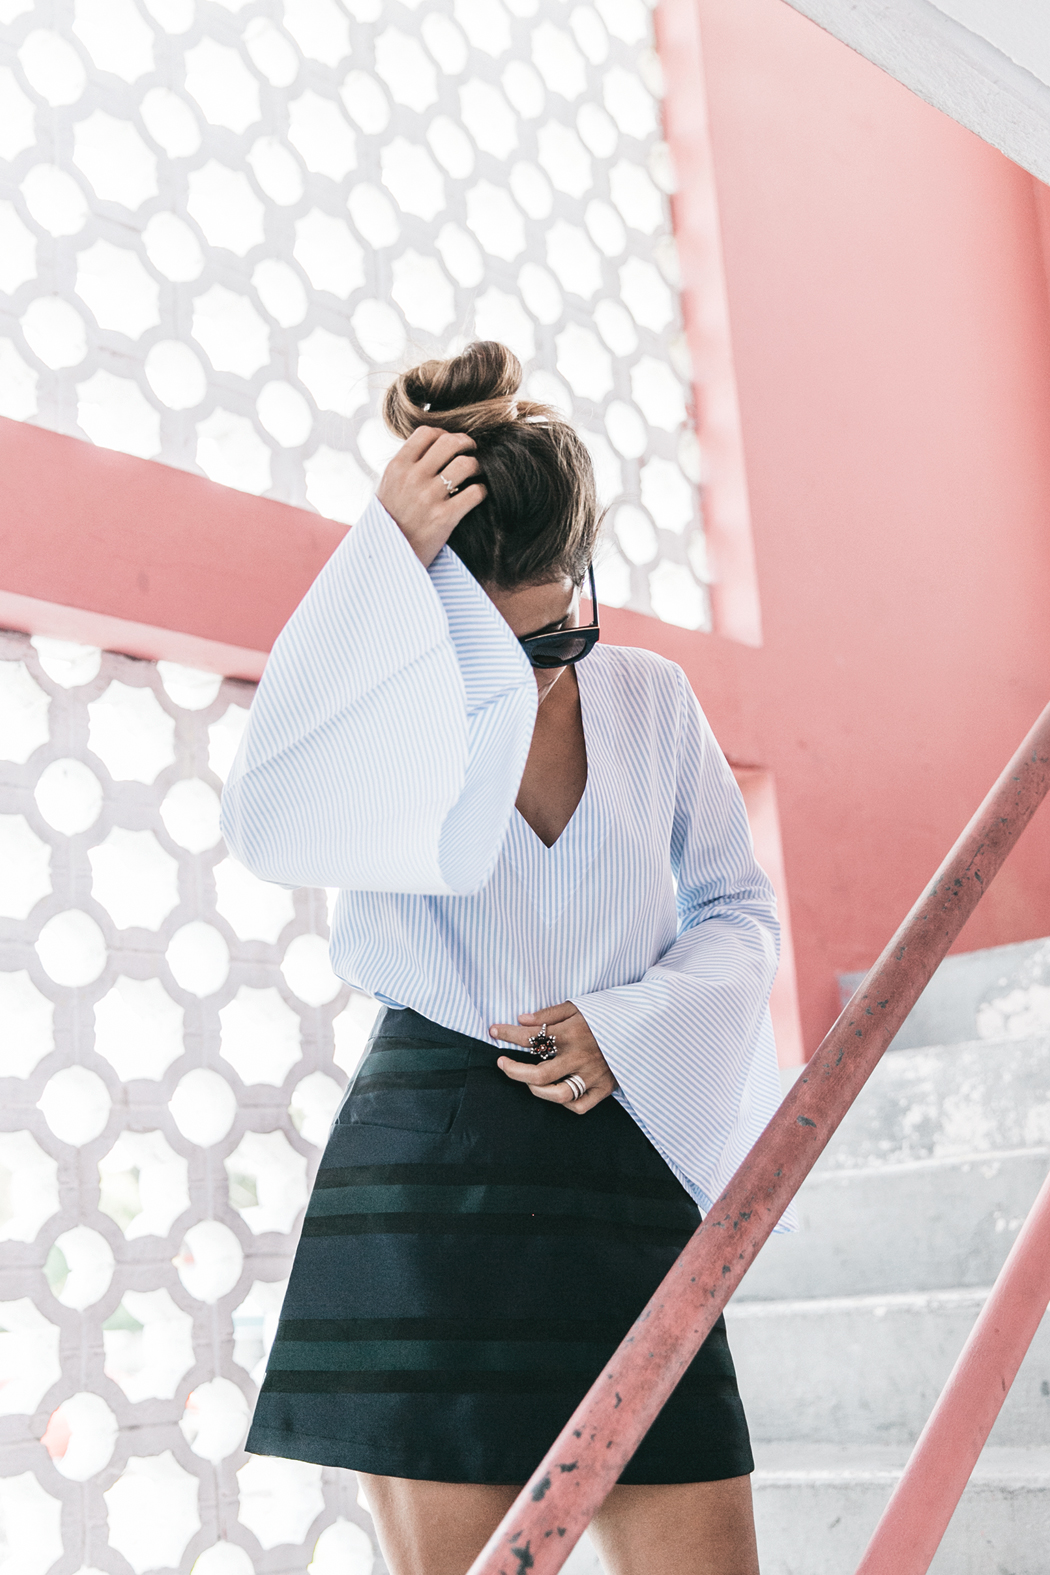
{"x": 977, "y": 995}
{"x": 867, "y": 1369}
{"x": 817, "y": 1505}
{"x": 583, "y": 1560}
{"x": 948, "y": 1102}
{"x": 922, "y": 1225}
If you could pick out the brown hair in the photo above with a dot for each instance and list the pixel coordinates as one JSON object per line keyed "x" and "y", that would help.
{"x": 540, "y": 518}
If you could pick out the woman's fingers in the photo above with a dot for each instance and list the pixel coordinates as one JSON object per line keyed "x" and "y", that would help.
{"x": 590, "y": 1099}
{"x": 529, "y": 1023}
{"x": 422, "y": 505}
{"x": 467, "y": 498}
{"x": 432, "y": 447}
{"x": 418, "y": 442}
{"x": 459, "y": 472}
{"x": 578, "y": 1055}
{"x": 538, "y": 1074}
{"x": 511, "y": 1034}
{"x": 445, "y": 447}
{"x": 562, "y": 1093}
{"x": 455, "y": 500}
{"x": 561, "y": 1090}
{"x": 551, "y": 1014}
{"x": 548, "y": 1079}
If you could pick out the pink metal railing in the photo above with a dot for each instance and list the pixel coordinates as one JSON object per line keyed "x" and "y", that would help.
{"x": 558, "y": 1502}
{"x": 917, "y": 1515}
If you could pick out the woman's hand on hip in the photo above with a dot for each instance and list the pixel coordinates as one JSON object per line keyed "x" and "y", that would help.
{"x": 578, "y": 1055}
{"x": 414, "y": 493}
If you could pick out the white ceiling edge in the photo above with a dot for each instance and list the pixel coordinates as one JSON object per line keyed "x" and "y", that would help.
{"x": 950, "y": 67}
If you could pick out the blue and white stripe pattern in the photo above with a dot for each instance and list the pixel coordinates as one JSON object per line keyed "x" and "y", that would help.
{"x": 383, "y": 755}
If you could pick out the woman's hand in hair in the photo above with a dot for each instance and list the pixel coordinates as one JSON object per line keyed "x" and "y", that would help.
{"x": 577, "y": 1053}
{"x": 415, "y": 496}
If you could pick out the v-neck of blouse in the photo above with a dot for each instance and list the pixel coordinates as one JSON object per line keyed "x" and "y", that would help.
{"x": 550, "y": 875}
{"x": 532, "y": 834}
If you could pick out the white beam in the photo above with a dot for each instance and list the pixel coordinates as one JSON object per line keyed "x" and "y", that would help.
{"x": 985, "y": 63}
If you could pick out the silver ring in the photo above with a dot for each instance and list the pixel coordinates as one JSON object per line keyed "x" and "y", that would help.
{"x": 578, "y": 1086}
{"x": 450, "y": 486}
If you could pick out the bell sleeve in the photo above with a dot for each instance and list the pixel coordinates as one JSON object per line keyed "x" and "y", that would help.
{"x": 387, "y": 739}
{"x": 691, "y": 1042}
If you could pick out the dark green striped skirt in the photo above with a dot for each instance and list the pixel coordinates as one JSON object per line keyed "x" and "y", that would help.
{"x": 470, "y": 1259}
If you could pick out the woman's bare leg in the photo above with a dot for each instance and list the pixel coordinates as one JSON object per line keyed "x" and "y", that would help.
{"x": 693, "y": 1528}
{"x": 690, "y": 1528}
{"x": 433, "y": 1528}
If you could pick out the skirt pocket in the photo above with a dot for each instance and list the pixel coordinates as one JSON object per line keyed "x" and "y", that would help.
{"x": 414, "y": 1086}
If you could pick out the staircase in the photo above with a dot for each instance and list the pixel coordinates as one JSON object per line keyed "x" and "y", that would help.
{"x": 844, "y": 1334}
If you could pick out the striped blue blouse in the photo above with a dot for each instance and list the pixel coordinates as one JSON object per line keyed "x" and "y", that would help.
{"x": 383, "y": 755}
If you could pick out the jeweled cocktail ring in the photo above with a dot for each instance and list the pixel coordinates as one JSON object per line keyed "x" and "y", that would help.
{"x": 543, "y": 1044}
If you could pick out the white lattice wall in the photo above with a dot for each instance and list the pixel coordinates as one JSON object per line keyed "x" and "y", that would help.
{"x": 222, "y": 224}
{"x": 223, "y": 221}
{"x": 172, "y": 1047}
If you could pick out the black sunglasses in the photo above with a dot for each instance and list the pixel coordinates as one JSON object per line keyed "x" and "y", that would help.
{"x": 564, "y": 647}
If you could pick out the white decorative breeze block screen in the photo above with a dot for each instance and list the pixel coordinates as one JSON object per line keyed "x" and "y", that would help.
{"x": 173, "y": 1044}
{"x": 223, "y": 223}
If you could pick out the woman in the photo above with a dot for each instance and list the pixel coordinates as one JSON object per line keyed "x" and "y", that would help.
{"x": 540, "y": 848}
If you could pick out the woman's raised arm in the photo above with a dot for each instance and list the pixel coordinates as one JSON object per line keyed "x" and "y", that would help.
{"x": 387, "y": 739}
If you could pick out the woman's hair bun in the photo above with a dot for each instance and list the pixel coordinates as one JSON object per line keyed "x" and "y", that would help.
{"x": 473, "y": 392}
{"x": 539, "y": 517}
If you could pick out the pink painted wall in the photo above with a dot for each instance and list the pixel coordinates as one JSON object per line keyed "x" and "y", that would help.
{"x": 890, "y": 316}
{"x": 142, "y": 558}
